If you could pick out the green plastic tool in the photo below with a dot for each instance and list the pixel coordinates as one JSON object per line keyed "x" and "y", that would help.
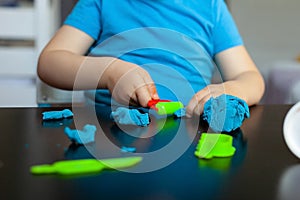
{"x": 73, "y": 167}
{"x": 168, "y": 108}
{"x": 214, "y": 145}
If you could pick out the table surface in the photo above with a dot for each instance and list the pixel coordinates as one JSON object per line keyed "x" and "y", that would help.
{"x": 262, "y": 167}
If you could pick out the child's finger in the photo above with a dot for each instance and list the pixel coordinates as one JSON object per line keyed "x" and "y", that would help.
{"x": 143, "y": 95}
{"x": 196, "y": 104}
{"x": 153, "y": 91}
{"x": 151, "y": 86}
{"x": 193, "y": 104}
{"x": 198, "y": 110}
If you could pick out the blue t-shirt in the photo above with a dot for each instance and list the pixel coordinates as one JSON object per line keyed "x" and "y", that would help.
{"x": 174, "y": 40}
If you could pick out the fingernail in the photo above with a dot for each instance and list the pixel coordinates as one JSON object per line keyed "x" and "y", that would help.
{"x": 155, "y": 96}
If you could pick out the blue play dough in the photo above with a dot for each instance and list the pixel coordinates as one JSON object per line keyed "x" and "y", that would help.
{"x": 87, "y": 135}
{"x": 128, "y": 116}
{"x": 180, "y": 113}
{"x": 128, "y": 149}
{"x": 51, "y": 115}
{"x": 225, "y": 113}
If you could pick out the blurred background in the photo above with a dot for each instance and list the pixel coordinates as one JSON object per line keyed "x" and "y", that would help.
{"x": 270, "y": 29}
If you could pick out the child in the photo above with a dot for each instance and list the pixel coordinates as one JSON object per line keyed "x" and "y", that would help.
{"x": 148, "y": 49}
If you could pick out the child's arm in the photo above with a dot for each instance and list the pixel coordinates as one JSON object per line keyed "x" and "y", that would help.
{"x": 62, "y": 64}
{"x": 241, "y": 79}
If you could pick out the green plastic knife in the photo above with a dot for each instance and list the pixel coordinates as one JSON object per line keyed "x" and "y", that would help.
{"x": 72, "y": 167}
{"x": 168, "y": 108}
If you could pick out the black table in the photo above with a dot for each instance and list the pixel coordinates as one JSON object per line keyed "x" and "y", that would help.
{"x": 262, "y": 167}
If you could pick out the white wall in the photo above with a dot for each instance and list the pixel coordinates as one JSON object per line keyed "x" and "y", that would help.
{"x": 270, "y": 28}
{"x": 25, "y": 29}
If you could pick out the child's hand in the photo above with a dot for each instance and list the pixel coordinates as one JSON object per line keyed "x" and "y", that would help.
{"x": 196, "y": 104}
{"x": 129, "y": 83}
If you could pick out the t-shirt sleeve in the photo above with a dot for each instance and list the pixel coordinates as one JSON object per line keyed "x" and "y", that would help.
{"x": 86, "y": 16}
{"x": 225, "y": 33}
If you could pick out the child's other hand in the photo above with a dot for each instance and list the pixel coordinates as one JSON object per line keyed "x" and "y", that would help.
{"x": 196, "y": 104}
{"x": 129, "y": 84}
